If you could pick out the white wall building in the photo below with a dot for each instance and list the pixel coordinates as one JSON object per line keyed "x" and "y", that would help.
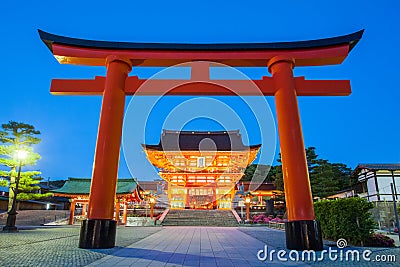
{"x": 374, "y": 181}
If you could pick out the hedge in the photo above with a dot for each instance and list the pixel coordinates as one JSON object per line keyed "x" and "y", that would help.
{"x": 347, "y": 218}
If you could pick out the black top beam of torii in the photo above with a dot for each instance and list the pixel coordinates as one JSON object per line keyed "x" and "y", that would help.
{"x": 326, "y": 51}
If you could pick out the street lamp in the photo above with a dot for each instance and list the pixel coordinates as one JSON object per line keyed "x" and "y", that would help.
{"x": 152, "y": 201}
{"x": 247, "y": 201}
{"x": 12, "y": 214}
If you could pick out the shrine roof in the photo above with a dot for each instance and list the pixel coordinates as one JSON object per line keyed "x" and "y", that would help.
{"x": 378, "y": 166}
{"x": 81, "y": 186}
{"x": 260, "y": 187}
{"x": 350, "y": 39}
{"x": 200, "y": 141}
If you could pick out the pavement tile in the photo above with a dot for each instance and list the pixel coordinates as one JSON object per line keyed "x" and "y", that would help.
{"x": 158, "y": 246}
{"x": 58, "y": 246}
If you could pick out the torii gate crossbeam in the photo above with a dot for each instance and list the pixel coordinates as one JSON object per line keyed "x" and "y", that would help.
{"x": 302, "y": 230}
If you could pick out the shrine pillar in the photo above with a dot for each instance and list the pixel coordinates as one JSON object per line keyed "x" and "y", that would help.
{"x": 124, "y": 220}
{"x": 84, "y": 207}
{"x": 71, "y": 212}
{"x": 303, "y": 232}
{"x": 99, "y": 230}
{"x": 117, "y": 210}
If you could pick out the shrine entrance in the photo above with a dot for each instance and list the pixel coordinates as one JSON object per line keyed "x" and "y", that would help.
{"x": 201, "y": 198}
{"x": 201, "y": 168}
{"x": 302, "y": 230}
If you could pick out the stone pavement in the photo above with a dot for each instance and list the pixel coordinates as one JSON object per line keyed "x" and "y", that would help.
{"x": 189, "y": 246}
{"x": 161, "y": 246}
{"x": 58, "y": 246}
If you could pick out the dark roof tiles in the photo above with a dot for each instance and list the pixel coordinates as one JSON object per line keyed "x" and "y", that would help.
{"x": 81, "y": 186}
{"x": 379, "y": 166}
{"x": 200, "y": 141}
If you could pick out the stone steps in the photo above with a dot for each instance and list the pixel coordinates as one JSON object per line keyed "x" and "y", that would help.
{"x": 200, "y": 218}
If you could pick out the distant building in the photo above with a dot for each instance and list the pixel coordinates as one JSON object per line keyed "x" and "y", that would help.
{"x": 342, "y": 194}
{"x": 48, "y": 186}
{"x": 78, "y": 189}
{"x": 3, "y": 197}
{"x": 264, "y": 197}
{"x": 260, "y": 190}
{"x": 157, "y": 187}
{"x": 52, "y": 203}
{"x": 373, "y": 183}
{"x": 4, "y": 191}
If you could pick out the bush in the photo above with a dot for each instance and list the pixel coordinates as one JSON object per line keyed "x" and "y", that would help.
{"x": 347, "y": 218}
{"x": 379, "y": 240}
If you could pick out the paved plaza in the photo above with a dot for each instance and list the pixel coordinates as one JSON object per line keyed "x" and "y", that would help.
{"x": 161, "y": 246}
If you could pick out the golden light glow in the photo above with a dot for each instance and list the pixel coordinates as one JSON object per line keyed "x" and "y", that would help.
{"x": 21, "y": 154}
{"x": 216, "y": 173}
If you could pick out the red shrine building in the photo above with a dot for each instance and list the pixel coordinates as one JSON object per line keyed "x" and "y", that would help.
{"x": 78, "y": 190}
{"x": 201, "y": 168}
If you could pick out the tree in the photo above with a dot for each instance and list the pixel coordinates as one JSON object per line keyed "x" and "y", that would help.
{"x": 19, "y": 136}
{"x": 325, "y": 178}
{"x": 259, "y": 173}
{"x": 343, "y": 174}
{"x": 28, "y": 188}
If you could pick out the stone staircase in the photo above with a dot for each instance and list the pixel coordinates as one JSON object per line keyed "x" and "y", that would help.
{"x": 200, "y": 218}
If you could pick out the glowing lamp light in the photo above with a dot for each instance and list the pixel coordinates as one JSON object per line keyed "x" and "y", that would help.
{"x": 21, "y": 154}
{"x": 152, "y": 200}
{"x": 247, "y": 199}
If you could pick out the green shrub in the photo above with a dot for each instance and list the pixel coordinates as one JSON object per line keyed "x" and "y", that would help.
{"x": 347, "y": 218}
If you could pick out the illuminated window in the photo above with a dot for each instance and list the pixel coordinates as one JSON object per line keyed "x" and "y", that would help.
{"x": 193, "y": 163}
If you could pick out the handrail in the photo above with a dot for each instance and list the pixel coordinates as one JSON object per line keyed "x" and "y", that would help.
{"x": 163, "y": 215}
{"x": 237, "y": 217}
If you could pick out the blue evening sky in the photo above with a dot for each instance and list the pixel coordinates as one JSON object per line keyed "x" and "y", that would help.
{"x": 361, "y": 128}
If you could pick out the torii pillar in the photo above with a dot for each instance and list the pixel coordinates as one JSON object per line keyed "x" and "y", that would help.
{"x": 302, "y": 230}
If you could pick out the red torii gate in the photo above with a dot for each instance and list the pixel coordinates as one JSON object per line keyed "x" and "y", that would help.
{"x": 302, "y": 230}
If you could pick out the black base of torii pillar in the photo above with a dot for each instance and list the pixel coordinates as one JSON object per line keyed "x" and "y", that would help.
{"x": 304, "y": 235}
{"x": 98, "y": 234}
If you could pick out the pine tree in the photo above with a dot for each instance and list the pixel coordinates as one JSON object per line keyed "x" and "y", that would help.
{"x": 325, "y": 178}
{"x": 17, "y": 136}
{"x": 258, "y": 173}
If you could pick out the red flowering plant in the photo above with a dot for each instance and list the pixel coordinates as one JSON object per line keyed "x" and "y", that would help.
{"x": 379, "y": 240}
{"x": 262, "y": 218}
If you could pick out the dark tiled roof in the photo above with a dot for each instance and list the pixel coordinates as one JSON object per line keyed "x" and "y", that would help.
{"x": 81, "y": 186}
{"x": 379, "y": 166}
{"x": 199, "y": 140}
{"x": 261, "y": 187}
